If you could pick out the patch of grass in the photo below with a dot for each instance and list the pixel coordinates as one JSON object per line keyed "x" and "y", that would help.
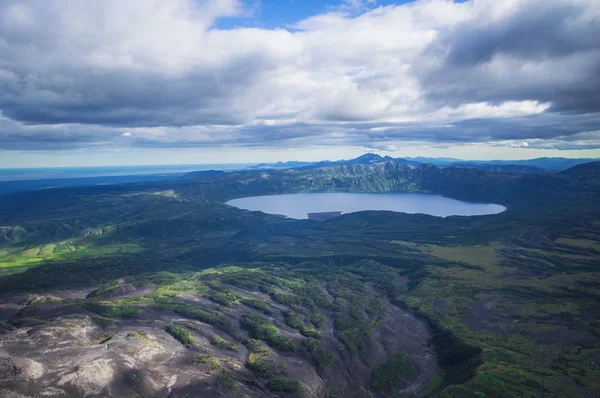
{"x": 391, "y": 372}
{"x": 220, "y": 342}
{"x": 225, "y": 380}
{"x": 256, "y": 346}
{"x": 479, "y": 256}
{"x": 104, "y": 322}
{"x": 182, "y": 335}
{"x": 202, "y": 358}
{"x": 13, "y": 259}
{"x": 214, "y": 364}
{"x": 264, "y": 367}
{"x": 189, "y": 311}
{"x": 582, "y": 243}
{"x": 144, "y": 338}
{"x": 111, "y": 310}
{"x": 105, "y": 337}
{"x": 192, "y": 326}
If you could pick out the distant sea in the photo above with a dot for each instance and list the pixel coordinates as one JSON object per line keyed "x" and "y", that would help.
{"x": 104, "y": 171}
{"x": 27, "y": 179}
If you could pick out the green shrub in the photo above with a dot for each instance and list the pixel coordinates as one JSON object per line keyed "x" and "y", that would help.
{"x": 323, "y": 360}
{"x": 318, "y": 320}
{"x": 224, "y": 297}
{"x": 222, "y": 343}
{"x": 257, "y": 304}
{"x": 284, "y": 385}
{"x": 292, "y": 319}
{"x": 188, "y": 311}
{"x": 310, "y": 332}
{"x": 182, "y": 335}
{"x": 260, "y": 328}
{"x": 264, "y": 367}
{"x": 285, "y": 299}
{"x": 391, "y": 372}
{"x": 202, "y": 358}
{"x": 310, "y": 344}
{"x": 256, "y": 346}
{"x": 107, "y": 309}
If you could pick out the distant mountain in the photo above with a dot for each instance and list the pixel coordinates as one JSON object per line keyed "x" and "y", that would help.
{"x": 586, "y": 169}
{"x": 367, "y": 158}
{"x": 204, "y": 174}
{"x": 502, "y": 168}
{"x": 280, "y": 165}
{"x": 539, "y": 165}
{"x": 555, "y": 164}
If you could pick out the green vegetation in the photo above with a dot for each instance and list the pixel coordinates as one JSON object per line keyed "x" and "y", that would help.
{"x": 265, "y": 367}
{"x": 284, "y": 385}
{"x": 256, "y": 346}
{"x": 224, "y": 297}
{"x": 222, "y": 343}
{"x": 323, "y": 359}
{"x": 18, "y": 259}
{"x": 189, "y": 311}
{"x": 293, "y": 320}
{"x": 391, "y": 372}
{"x": 202, "y": 359}
{"x": 224, "y": 379}
{"x": 181, "y": 335}
{"x": 257, "y": 304}
{"x": 310, "y": 344}
{"x": 112, "y": 310}
{"x": 260, "y": 328}
{"x": 318, "y": 320}
{"x": 285, "y": 299}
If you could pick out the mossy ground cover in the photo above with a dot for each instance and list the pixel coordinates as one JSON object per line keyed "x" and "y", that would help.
{"x": 18, "y": 259}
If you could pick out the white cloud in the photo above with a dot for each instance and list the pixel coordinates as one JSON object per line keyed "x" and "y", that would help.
{"x": 74, "y": 73}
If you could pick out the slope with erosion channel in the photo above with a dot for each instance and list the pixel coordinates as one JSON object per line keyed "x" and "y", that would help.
{"x": 253, "y": 329}
{"x": 499, "y": 314}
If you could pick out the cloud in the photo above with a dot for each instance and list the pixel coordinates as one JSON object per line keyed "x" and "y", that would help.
{"x": 143, "y": 73}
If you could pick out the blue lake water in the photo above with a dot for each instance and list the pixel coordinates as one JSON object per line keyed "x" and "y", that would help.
{"x": 299, "y": 205}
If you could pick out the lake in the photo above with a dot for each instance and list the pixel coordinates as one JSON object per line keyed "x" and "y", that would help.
{"x": 299, "y": 205}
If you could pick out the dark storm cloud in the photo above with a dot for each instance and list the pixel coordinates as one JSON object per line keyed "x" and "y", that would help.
{"x": 131, "y": 98}
{"x": 542, "y": 50}
{"x": 531, "y": 33}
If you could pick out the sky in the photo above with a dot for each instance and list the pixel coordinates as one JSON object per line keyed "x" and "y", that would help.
{"x": 109, "y": 82}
